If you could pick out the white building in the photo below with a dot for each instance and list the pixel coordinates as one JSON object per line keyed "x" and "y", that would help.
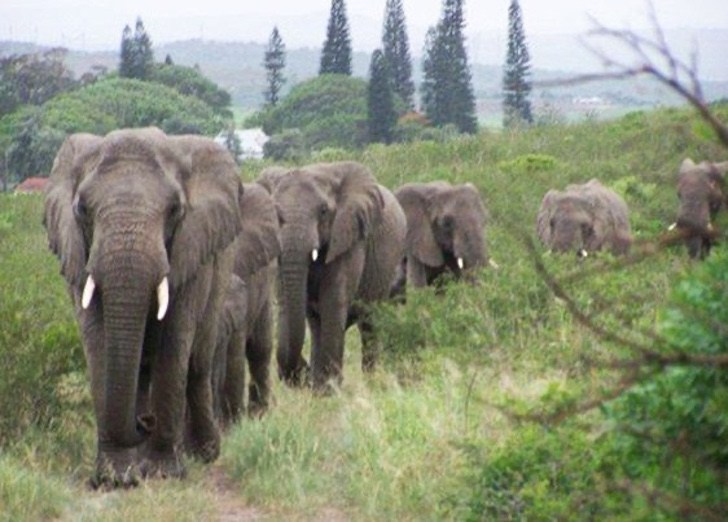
{"x": 251, "y": 142}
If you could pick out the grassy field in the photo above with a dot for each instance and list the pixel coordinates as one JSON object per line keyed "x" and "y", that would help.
{"x": 434, "y": 432}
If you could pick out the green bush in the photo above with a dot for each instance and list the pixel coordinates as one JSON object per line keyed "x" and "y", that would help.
{"x": 285, "y": 146}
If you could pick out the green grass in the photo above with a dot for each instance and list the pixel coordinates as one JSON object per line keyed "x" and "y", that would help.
{"x": 425, "y": 436}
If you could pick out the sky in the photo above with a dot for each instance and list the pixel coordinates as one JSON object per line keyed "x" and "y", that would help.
{"x": 97, "y": 24}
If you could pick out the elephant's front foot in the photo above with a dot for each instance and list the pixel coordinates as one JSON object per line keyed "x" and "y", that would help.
{"x": 205, "y": 448}
{"x": 298, "y": 375}
{"x": 116, "y": 469}
{"x": 162, "y": 464}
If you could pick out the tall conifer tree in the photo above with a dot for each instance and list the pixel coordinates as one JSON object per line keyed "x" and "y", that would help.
{"x": 274, "y": 62}
{"x": 447, "y": 92}
{"x": 143, "y": 54}
{"x": 336, "y": 54}
{"x": 516, "y": 86}
{"x": 396, "y": 51}
{"x": 126, "y": 59}
{"x": 381, "y": 114}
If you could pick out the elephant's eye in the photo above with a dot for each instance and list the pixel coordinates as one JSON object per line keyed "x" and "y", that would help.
{"x": 176, "y": 211}
{"x": 323, "y": 210}
{"x": 587, "y": 230}
{"x": 448, "y": 222}
{"x": 552, "y": 223}
{"x": 80, "y": 209}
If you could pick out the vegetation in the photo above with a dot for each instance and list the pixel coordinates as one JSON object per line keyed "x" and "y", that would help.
{"x": 447, "y": 91}
{"x": 381, "y": 113}
{"x": 136, "y": 58}
{"x": 191, "y": 82}
{"x": 457, "y": 422}
{"x": 274, "y": 62}
{"x": 396, "y": 51}
{"x": 336, "y": 53}
{"x": 516, "y": 86}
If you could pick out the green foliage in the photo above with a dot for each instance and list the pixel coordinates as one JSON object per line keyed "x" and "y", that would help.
{"x": 528, "y": 164}
{"x": 395, "y": 46}
{"x": 136, "y": 55}
{"x": 28, "y": 495}
{"x": 336, "y": 53}
{"x": 285, "y": 146}
{"x": 274, "y": 61}
{"x": 381, "y": 114}
{"x": 329, "y": 110}
{"x": 33, "y": 147}
{"x": 191, "y": 82}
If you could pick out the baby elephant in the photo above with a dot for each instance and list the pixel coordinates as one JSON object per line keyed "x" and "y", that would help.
{"x": 445, "y": 232}
{"x": 584, "y": 218}
{"x": 701, "y": 189}
{"x": 245, "y": 332}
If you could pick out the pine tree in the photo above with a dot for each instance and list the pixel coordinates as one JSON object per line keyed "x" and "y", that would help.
{"x": 381, "y": 114}
{"x": 516, "y": 87}
{"x": 336, "y": 54}
{"x": 447, "y": 92}
{"x": 126, "y": 54}
{"x": 143, "y": 56}
{"x": 274, "y": 61}
{"x": 396, "y": 52}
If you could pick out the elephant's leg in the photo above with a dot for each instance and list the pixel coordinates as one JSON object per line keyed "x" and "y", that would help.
{"x": 416, "y": 273}
{"x": 258, "y": 353}
{"x": 233, "y": 388}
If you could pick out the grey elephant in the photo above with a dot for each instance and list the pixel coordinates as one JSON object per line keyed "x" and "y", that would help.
{"x": 584, "y": 218}
{"x": 445, "y": 232}
{"x": 701, "y": 190}
{"x": 342, "y": 237}
{"x": 246, "y": 329}
{"x": 144, "y": 226}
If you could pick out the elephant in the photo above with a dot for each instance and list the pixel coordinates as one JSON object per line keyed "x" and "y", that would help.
{"x": 584, "y": 218}
{"x": 445, "y": 232}
{"x": 701, "y": 190}
{"x": 144, "y": 226}
{"x": 245, "y": 331}
{"x": 342, "y": 237}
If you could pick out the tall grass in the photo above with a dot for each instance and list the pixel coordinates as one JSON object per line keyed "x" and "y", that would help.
{"x": 409, "y": 441}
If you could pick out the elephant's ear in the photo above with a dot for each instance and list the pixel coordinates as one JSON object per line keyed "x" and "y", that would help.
{"x": 359, "y": 205}
{"x": 65, "y": 237}
{"x": 545, "y": 213}
{"x": 270, "y": 177}
{"x": 420, "y": 240}
{"x": 212, "y": 216}
{"x": 258, "y": 243}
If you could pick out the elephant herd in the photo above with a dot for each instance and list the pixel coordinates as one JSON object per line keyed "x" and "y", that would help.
{"x": 170, "y": 263}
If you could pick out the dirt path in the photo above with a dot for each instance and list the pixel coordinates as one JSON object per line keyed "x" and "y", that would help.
{"x": 230, "y": 507}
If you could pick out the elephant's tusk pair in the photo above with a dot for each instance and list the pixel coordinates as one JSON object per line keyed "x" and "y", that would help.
{"x": 461, "y": 263}
{"x": 162, "y": 296}
{"x": 88, "y": 292}
{"x": 314, "y": 254}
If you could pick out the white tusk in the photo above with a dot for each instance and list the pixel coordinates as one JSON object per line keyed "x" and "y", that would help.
{"x": 583, "y": 253}
{"x": 672, "y": 227}
{"x": 710, "y": 227}
{"x": 88, "y": 292}
{"x": 314, "y": 254}
{"x": 461, "y": 263}
{"x": 493, "y": 264}
{"x": 163, "y": 298}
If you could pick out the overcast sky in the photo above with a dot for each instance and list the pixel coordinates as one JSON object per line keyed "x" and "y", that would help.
{"x": 97, "y": 24}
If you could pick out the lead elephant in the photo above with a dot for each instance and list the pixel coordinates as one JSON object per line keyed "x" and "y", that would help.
{"x": 342, "y": 237}
{"x": 584, "y": 218}
{"x": 445, "y": 232}
{"x": 701, "y": 189}
{"x": 245, "y": 332}
{"x": 144, "y": 226}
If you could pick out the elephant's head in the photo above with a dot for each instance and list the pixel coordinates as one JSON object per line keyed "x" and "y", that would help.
{"x": 324, "y": 211}
{"x": 132, "y": 216}
{"x": 445, "y": 224}
{"x": 567, "y": 223}
{"x": 701, "y": 189}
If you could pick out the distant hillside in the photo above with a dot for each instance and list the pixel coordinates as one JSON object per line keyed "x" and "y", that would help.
{"x": 237, "y": 67}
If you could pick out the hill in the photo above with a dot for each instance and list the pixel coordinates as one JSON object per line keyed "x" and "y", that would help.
{"x": 237, "y": 67}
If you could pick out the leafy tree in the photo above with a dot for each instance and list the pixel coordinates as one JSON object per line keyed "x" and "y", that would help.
{"x": 336, "y": 54}
{"x": 31, "y": 79}
{"x": 396, "y": 51}
{"x": 382, "y": 116}
{"x": 136, "y": 56}
{"x": 274, "y": 62}
{"x": 447, "y": 92}
{"x": 33, "y": 148}
{"x": 286, "y": 146}
{"x": 516, "y": 87}
{"x": 191, "y": 82}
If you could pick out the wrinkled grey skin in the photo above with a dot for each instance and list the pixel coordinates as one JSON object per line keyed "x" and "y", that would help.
{"x": 584, "y": 218}
{"x": 701, "y": 190}
{"x": 445, "y": 223}
{"x": 357, "y": 229}
{"x": 130, "y": 209}
{"x": 246, "y": 328}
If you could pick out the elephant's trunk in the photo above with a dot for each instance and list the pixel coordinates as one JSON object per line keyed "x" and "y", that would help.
{"x": 292, "y": 321}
